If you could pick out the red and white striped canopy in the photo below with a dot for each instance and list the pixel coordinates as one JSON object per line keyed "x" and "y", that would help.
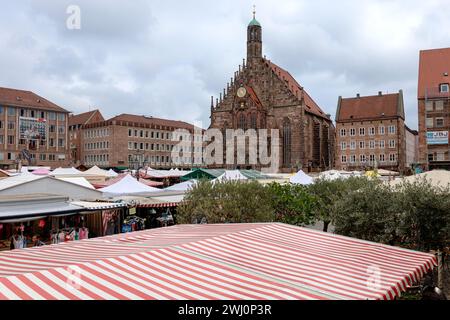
{"x": 230, "y": 261}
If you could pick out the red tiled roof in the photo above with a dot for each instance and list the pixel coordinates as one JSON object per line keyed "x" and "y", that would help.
{"x": 28, "y": 99}
{"x": 152, "y": 120}
{"x": 82, "y": 118}
{"x": 253, "y": 96}
{"x": 297, "y": 89}
{"x": 369, "y": 107}
{"x": 432, "y": 66}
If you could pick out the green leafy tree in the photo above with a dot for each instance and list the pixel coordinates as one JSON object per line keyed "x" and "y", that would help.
{"x": 293, "y": 204}
{"x": 227, "y": 202}
{"x": 328, "y": 193}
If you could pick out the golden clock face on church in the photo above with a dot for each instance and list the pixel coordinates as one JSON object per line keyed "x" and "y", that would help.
{"x": 241, "y": 92}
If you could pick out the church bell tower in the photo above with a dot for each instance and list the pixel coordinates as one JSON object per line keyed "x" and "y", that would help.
{"x": 254, "y": 40}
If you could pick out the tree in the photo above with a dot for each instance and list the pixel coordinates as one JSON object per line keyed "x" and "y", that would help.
{"x": 293, "y": 204}
{"x": 329, "y": 192}
{"x": 424, "y": 215}
{"x": 227, "y": 202}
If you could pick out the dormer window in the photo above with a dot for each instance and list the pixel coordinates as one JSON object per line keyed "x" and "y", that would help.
{"x": 444, "y": 87}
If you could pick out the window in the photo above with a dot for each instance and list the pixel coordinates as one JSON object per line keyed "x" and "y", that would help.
{"x": 61, "y": 142}
{"x": 344, "y": 159}
{"x": 381, "y": 130}
{"x": 343, "y": 132}
{"x": 391, "y": 129}
{"x": 362, "y": 145}
{"x": 61, "y": 129}
{"x": 52, "y": 128}
{"x": 130, "y": 132}
{"x": 352, "y": 158}
{"x": 23, "y": 112}
{"x": 157, "y": 136}
{"x": 32, "y": 114}
{"x": 141, "y": 134}
{"x": 10, "y": 139}
{"x": 382, "y": 144}
{"x": 439, "y": 105}
{"x": 430, "y": 122}
{"x": 392, "y": 157}
{"x": 371, "y": 131}
{"x": 439, "y": 122}
{"x": 391, "y": 144}
{"x": 153, "y": 135}
{"x": 1, "y": 140}
{"x": 11, "y": 111}
{"x": 286, "y": 142}
{"x": 2, "y": 156}
{"x": 1, "y": 109}
{"x": 429, "y": 106}
{"x": 51, "y": 157}
{"x": 352, "y": 132}
{"x": 362, "y": 158}
{"x": 444, "y": 87}
{"x": 11, "y": 156}
{"x": 372, "y": 144}
{"x": 42, "y": 157}
{"x": 353, "y": 145}
{"x": 11, "y": 125}
{"x": 382, "y": 158}
{"x": 52, "y": 142}
{"x": 362, "y": 131}
{"x": 51, "y": 116}
{"x": 61, "y": 116}
{"x": 440, "y": 156}
{"x": 146, "y": 134}
{"x": 135, "y": 133}
{"x": 372, "y": 158}
{"x": 343, "y": 146}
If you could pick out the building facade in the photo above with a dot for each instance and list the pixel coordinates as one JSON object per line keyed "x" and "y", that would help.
{"x": 33, "y": 130}
{"x": 131, "y": 141}
{"x": 76, "y": 122}
{"x": 263, "y": 96}
{"x": 434, "y": 109}
{"x": 412, "y": 147}
{"x": 371, "y": 133}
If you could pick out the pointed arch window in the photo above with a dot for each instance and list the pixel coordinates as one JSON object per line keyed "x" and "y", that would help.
{"x": 253, "y": 118}
{"x": 241, "y": 122}
{"x": 287, "y": 140}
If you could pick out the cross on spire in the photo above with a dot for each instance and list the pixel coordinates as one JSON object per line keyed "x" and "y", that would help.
{"x": 254, "y": 11}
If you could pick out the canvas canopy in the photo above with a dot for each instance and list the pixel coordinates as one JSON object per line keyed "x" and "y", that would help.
{"x": 96, "y": 171}
{"x": 66, "y": 172}
{"x": 209, "y": 262}
{"x": 112, "y": 173}
{"x": 183, "y": 186}
{"x": 301, "y": 178}
{"x": 127, "y": 186}
{"x": 230, "y": 175}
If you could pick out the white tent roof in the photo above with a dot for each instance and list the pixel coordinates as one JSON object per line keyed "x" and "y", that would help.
{"x": 333, "y": 175}
{"x": 184, "y": 186}
{"x": 96, "y": 171}
{"x": 66, "y": 172}
{"x": 112, "y": 173}
{"x": 128, "y": 185}
{"x": 301, "y": 178}
{"x": 231, "y": 175}
{"x": 437, "y": 178}
{"x": 79, "y": 181}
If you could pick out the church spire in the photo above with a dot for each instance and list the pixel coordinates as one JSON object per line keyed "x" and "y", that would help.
{"x": 254, "y": 39}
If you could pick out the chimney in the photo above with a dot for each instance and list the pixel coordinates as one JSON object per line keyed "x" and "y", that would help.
{"x": 380, "y": 93}
{"x": 358, "y": 95}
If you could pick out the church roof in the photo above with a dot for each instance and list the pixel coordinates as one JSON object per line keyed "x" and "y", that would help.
{"x": 296, "y": 89}
{"x": 253, "y": 96}
{"x": 254, "y": 22}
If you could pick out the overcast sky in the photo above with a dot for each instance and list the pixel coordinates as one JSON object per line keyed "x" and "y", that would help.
{"x": 166, "y": 58}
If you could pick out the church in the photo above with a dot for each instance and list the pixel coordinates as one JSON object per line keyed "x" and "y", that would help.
{"x": 262, "y": 95}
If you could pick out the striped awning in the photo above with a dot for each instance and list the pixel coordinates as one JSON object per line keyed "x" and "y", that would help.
{"x": 93, "y": 206}
{"x": 159, "y": 205}
{"x": 231, "y": 261}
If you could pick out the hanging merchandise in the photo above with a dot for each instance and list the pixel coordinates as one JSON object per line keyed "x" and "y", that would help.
{"x": 133, "y": 223}
{"x": 1, "y": 227}
{"x": 41, "y": 223}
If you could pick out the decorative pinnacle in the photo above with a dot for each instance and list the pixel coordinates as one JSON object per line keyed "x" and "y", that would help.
{"x": 254, "y": 11}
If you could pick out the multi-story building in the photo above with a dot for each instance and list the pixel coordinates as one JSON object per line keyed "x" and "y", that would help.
{"x": 132, "y": 141}
{"x": 266, "y": 98}
{"x": 371, "y": 132}
{"x": 434, "y": 108}
{"x": 33, "y": 130}
{"x": 412, "y": 147}
{"x": 76, "y": 122}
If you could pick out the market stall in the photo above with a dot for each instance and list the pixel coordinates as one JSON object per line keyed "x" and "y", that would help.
{"x": 229, "y": 261}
